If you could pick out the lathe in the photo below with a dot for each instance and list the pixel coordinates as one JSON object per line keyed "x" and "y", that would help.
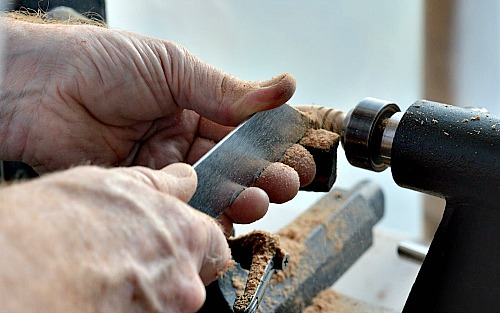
{"x": 438, "y": 149}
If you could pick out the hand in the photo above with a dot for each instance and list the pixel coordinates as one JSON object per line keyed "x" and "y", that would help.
{"x": 83, "y": 94}
{"x": 93, "y": 239}
{"x": 88, "y": 95}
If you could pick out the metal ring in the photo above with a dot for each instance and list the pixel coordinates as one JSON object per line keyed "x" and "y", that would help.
{"x": 362, "y": 133}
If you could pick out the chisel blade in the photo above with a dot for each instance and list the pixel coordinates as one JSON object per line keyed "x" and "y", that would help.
{"x": 236, "y": 162}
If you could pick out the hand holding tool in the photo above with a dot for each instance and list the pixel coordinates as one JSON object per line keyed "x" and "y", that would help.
{"x": 237, "y": 161}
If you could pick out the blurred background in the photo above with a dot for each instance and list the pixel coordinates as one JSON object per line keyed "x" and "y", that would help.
{"x": 341, "y": 52}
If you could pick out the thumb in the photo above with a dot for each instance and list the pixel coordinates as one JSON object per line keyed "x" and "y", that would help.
{"x": 181, "y": 180}
{"x": 216, "y": 256}
{"x": 177, "y": 179}
{"x": 218, "y": 96}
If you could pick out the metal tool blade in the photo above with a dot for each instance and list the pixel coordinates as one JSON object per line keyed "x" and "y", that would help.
{"x": 235, "y": 162}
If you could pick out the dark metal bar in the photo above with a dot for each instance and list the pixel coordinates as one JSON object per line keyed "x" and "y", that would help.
{"x": 413, "y": 250}
{"x": 329, "y": 248}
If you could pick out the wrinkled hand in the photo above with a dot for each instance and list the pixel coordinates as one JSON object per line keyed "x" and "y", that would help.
{"x": 88, "y": 95}
{"x": 107, "y": 240}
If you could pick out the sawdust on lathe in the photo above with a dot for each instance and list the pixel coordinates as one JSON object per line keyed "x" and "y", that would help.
{"x": 319, "y": 139}
{"x": 293, "y": 235}
{"x": 265, "y": 247}
{"x": 323, "y": 117}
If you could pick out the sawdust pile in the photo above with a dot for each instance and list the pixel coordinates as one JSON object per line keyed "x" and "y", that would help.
{"x": 320, "y": 139}
{"x": 264, "y": 246}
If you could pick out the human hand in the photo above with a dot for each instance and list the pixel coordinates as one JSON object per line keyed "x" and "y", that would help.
{"x": 81, "y": 94}
{"x": 76, "y": 94}
{"x": 94, "y": 239}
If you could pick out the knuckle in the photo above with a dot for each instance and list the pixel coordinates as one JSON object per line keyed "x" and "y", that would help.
{"x": 191, "y": 293}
